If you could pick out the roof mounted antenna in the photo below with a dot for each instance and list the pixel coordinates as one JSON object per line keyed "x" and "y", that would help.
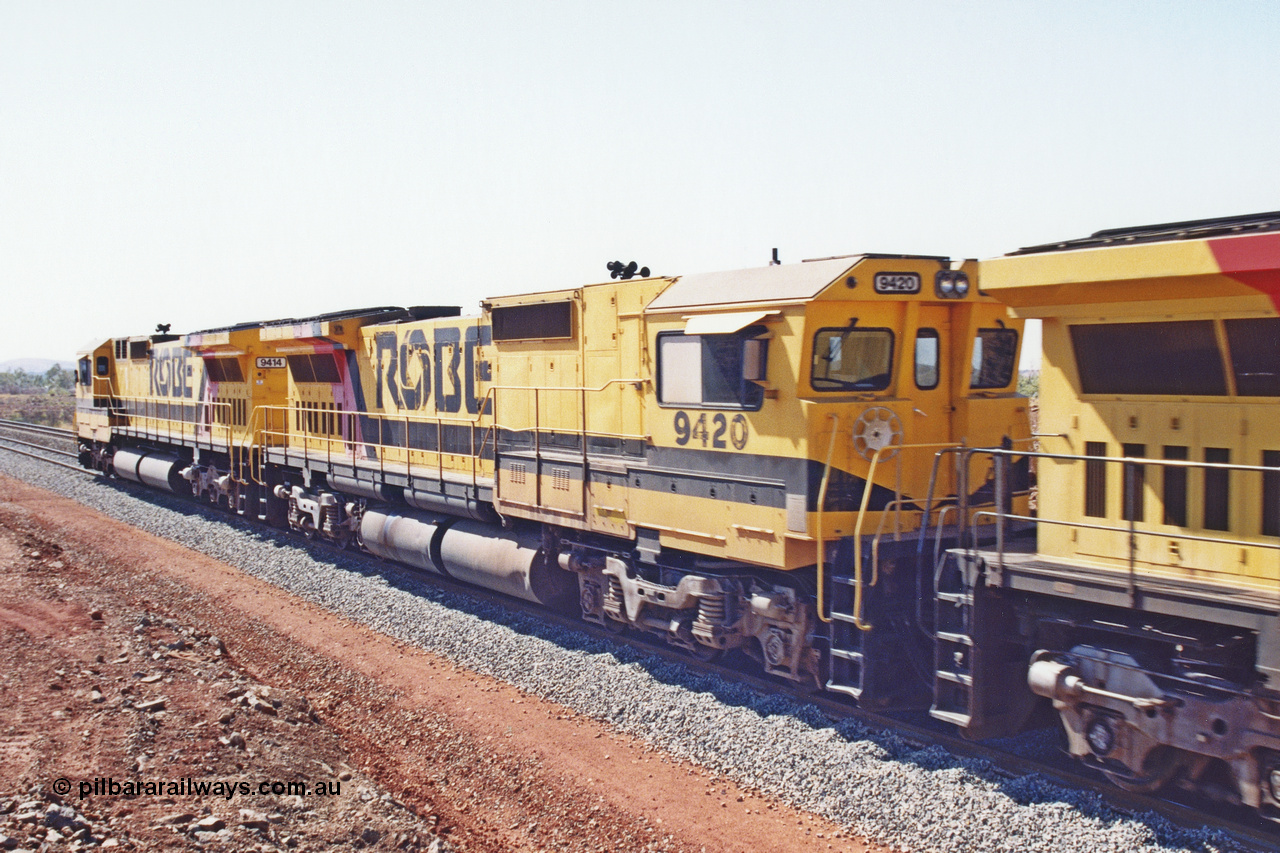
{"x": 775, "y": 262}
{"x": 617, "y": 269}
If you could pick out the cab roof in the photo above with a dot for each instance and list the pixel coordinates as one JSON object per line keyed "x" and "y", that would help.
{"x": 760, "y": 285}
{"x": 779, "y": 284}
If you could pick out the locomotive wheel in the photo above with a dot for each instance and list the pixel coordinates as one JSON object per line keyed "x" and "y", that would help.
{"x": 706, "y": 654}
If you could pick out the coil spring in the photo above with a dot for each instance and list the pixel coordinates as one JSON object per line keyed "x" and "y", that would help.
{"x": 713, "y": 610}
{"x": 328, "y": 519}
{"x": 613, "y": 597}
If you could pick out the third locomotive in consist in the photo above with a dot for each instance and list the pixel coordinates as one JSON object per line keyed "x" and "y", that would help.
{"x": 823, "y": 466}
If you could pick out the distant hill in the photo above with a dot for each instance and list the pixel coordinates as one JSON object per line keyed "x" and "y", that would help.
{"x": 33, "y": 365}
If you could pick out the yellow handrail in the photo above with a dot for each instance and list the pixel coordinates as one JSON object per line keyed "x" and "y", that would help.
{"x": 862, "y": 514}
{"x": 822, "y": 502}
{"x": 147, "y": 409}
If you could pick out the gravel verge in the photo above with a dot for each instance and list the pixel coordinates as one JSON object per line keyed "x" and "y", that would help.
{"x": 873, "y": 782}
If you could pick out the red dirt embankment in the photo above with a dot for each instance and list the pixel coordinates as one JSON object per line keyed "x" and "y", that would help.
{"x": 129, "y": 658}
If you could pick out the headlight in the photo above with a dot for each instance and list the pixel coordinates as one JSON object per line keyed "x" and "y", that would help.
{"x": 950, "y": 284}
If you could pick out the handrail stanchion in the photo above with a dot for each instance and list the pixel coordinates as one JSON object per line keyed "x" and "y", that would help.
{"x": 1000, "y": 465}
{"x": 822, "y": 501}
{"x": 1129, "y": 478}
{"x": 857, "y": 543}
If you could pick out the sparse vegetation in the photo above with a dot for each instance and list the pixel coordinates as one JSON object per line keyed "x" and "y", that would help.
{"x": 48, "y": 409}
{"x": 54, "y": 379}
{"x": 38, "y": 398}
{"x": 1029, "y": 383}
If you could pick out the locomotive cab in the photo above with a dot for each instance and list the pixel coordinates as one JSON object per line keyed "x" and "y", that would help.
{"x": 837, "y": 365}
{"x": 796, "y": 413}
{"x": 95, "y": 383}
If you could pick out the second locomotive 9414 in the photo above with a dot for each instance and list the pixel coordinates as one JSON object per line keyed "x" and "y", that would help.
{"x": 733, "y": 461}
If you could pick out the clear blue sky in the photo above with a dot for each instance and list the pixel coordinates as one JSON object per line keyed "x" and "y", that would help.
{"x": 202, "y": 164}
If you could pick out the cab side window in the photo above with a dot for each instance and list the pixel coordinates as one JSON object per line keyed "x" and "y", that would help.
{"x": 928, "y": 359}
{"x": 994, "y": 351}
{"x": 852, "y": 359}
{"x": 710, "y": 371}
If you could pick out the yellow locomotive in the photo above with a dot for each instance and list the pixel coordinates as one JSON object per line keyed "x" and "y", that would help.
{"x": 1149, "y": 610}
{"x": 740, "y": 460}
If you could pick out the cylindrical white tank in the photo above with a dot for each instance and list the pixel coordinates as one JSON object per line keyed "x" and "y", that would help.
{"x": 485, "y": 555}
{"x": 157, "y": 470}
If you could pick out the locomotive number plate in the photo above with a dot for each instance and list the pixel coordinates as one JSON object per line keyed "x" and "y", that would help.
{"x": 897, "y": 282}
{"x": 266, "y": 362}
{"x": 720, "y": 433}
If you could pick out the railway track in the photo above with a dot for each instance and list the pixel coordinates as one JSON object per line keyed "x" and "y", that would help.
{"x": 39, "y": 431}
{"x": 914, "y": 728}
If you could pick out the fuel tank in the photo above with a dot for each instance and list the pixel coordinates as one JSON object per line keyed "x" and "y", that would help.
{"x": 506, "y": 561}
{"x": 158, "y": 470}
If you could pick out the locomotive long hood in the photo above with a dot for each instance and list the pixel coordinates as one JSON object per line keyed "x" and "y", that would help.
{"x": 1232, "y": 271}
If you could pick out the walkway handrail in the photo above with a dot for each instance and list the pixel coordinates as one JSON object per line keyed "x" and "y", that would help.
{"x": 1000, "y": 516}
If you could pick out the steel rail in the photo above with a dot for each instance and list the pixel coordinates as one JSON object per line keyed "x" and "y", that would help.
{"x": 61, "y": 432}
{"x": 70, "y": 453}
{"x": 46, "y": 459}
